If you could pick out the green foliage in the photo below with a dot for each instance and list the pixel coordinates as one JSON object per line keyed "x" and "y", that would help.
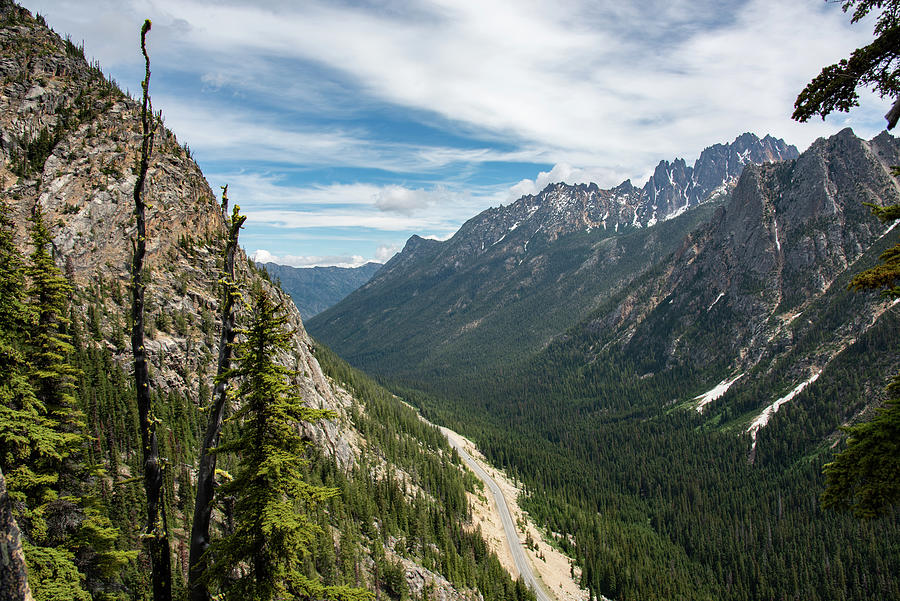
{"x": 261, "y": 558}
{"x": 53, "y": 576}
{"x": 874, "y": 66}
{"x": 886, "y": 273}
{"x": 863, "y": 477}
{"x": 53, "y": 372}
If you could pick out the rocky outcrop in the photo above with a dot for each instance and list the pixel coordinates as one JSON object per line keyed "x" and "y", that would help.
{"x": 789, "y": 232}
{"x": 82, "y": 180}
{"x": 562, "y": 208}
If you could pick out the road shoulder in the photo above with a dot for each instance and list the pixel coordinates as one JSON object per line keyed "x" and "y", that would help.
{"x": 550, "y": 565}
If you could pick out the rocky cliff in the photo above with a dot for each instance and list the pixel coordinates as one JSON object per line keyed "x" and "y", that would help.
{"x": 69, "y": 142}
{"x": 788, "y": 240}
{"x": 70, "y": 139}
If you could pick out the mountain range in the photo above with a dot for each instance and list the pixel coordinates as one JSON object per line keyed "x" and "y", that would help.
{"x": 514, "y": 276}
{"x": 669, "y": 376}
{"x": 663, "y": 370}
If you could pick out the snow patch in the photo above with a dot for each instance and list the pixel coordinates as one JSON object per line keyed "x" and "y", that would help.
{"x": 888, "y": 231}
{"x": 679, "y": 211}
{"x": 718, "y": 298}
{"x": 772, "y": 409}
{"x": 717, "y": 391}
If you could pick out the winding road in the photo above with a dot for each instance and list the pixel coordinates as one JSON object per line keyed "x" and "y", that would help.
{"x": 509, "y": 528}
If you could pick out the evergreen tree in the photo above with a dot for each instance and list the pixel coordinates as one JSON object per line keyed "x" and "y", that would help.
{"x": 52, "y": 373}
{"x": 263, "y": 557}
{"x": 32, "y": 445}
{"x": 874, "y": 66}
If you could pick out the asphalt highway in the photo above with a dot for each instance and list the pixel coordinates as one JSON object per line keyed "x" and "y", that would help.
{"x": 509, "y": 527}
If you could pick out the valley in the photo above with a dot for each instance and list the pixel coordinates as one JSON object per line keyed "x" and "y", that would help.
{"x": 582, "y": 393}
{"x": 596, "y": 415}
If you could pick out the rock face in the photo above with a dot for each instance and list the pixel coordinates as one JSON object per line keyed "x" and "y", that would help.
{"x": 82, "y": 180}
{"x": 790, "y": 231}
{"x": 673, "y": 188}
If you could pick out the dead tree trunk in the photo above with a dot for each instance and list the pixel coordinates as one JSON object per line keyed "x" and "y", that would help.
{"x": 206, "y": 487}
{"x": 157, "y": 535}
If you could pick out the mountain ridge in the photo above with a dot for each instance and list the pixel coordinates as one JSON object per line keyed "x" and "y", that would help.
{"x": 314, "y": 289}
{"x": 507, "y": 256}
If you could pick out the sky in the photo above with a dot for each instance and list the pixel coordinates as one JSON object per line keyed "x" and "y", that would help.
{"x": 344, "y": 127}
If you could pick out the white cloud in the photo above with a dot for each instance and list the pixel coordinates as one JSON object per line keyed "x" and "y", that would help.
{"x": 271, "y": 200}
{"x": 589, "y": 83}
{"x": 264, "y": 256}
{"x": 384, "y": 252}
{"x": 601, "y": 89}
{"x": 397, "y": 199}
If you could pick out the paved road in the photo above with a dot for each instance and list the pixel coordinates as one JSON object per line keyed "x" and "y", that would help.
{"x": 512, "y": 537}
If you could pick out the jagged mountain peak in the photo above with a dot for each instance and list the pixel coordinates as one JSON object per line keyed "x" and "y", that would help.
{"x": 561, "y": 208}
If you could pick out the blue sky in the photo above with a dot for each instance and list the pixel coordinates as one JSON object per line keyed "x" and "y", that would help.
{"x": 342, "y": 128}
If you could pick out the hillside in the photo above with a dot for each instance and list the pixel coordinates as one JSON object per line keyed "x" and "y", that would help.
{"x": 676, "y": 425}
{"x": 399, "y": 525}
{"x": 314, "y": 289}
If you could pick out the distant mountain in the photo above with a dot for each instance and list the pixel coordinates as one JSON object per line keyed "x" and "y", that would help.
{"x": 667, "y": 377}
{"x": 513, "y": 277}
{"x": 314, "y": 289}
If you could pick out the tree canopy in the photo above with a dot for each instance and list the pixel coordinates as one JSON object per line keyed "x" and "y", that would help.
{"x": 873, "y": 66}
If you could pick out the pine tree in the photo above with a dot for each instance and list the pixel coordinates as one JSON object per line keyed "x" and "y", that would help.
{"x": 873, "y": 66}
{"x": 30, "y": 445}
{"x": 262, "y": 558}
{"x": 52, "y": 373}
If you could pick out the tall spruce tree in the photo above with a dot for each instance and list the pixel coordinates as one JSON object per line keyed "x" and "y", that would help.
{"x": 52, "y": 372}
{"x": 32, "y": 446}
{"x": 262, "y": 558}
{"x": 14, "y": 395}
